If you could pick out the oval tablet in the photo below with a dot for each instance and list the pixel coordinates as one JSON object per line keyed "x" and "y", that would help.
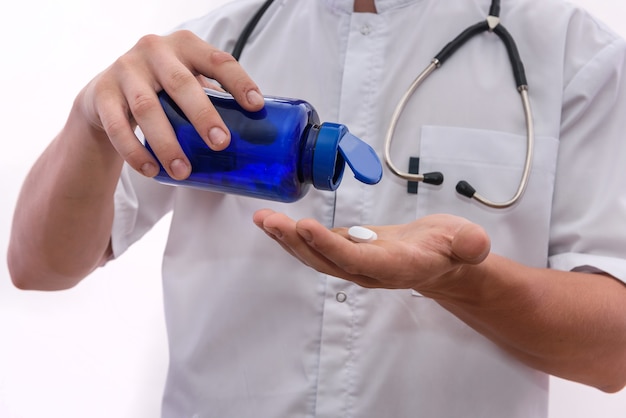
{"x": 361, "y": 234}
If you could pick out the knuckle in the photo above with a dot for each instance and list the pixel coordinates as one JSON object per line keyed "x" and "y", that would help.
{"x": 204, "y": 115}
{"x": 148, "y": 42}
{"x": 219, "y": 58}
{"x": 184, "y": 35}
{"x": 242, "y": 84}
{"x": 99, "y": 87}
{"x": 124, "y": 68}
{"x": 114, "y": 127}
{"x": 123, "y": 65}
{"x": 143, "y": 103}
{"x": 178, "y": 78}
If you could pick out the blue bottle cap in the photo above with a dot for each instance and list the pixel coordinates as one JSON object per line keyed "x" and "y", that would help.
{"x": 334, "y": 147}
{"x": 361, "y": 158}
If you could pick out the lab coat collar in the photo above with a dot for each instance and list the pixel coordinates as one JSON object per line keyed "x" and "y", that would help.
{"x": 347, "y": 6}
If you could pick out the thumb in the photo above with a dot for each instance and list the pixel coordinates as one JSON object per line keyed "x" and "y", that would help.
{"x": 471, "y": 244}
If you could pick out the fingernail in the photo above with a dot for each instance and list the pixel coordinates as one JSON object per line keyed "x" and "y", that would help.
{"x": 179, "y": 169}
{"x": 217, "y": 136}
{"x": 254, "y": 98}
{"x": 149, "y": 170}
{"x": 306, "y": 235}
{"x": 276, "y": 233}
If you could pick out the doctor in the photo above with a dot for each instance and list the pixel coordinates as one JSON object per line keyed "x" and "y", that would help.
{"x": 457, "y": 309}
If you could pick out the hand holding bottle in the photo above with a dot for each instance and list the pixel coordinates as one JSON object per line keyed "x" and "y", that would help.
{"x": 125, "y": 95}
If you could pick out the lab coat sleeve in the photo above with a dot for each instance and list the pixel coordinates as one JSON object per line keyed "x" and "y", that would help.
{"x": 140, "y": 202}
{"x": 588, "y": 228}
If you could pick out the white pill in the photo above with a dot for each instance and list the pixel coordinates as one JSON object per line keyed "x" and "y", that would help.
{"x": 361, "y": 234}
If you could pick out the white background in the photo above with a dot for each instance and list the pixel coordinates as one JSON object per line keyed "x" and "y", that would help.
{"x": 99, "y": 350}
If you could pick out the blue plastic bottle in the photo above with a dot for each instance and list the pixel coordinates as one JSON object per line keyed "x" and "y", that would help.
{"x": 275, "y": 153}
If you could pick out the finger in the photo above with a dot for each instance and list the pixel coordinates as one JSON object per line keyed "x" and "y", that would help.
{"x": 284, "y": 247}
{"x": 283, "y": 229}
{"x": 258, "y": 219}
{"x": 277, "y": 234}
{"x": 146, "y": 109}
{"x": 358, "y": 261}
{"x": 221, "y": 66}
{"x": 259, "y": 216}
{"x": 113, "y": 114}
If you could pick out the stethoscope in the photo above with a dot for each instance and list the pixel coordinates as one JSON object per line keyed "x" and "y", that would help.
{"x": 491, "y": 24}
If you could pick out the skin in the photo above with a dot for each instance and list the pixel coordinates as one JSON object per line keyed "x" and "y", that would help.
{"x": 364, "y": 6}
{"x": 63, "y": 218}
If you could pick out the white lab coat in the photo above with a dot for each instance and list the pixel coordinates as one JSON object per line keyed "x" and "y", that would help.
{"x": 253, "y": 333}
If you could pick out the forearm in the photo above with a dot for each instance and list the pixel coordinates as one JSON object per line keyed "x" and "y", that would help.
{"x": 62, "y": 221}
{"x": 571, "y": 325}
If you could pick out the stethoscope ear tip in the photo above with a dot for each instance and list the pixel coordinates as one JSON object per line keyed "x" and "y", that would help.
{"x": 433, "y": 178}
{"x": 465, "y": 189}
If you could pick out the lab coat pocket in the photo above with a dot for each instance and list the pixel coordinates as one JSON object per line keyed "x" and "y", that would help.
{"x": 492, "y": 162}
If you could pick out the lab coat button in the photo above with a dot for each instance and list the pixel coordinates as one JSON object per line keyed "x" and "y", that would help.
{"x": 341, "y": 297}
{"x": 366, "y": 29}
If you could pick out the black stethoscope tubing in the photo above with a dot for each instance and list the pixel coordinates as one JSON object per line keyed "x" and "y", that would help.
{"x": 249, "y": 28}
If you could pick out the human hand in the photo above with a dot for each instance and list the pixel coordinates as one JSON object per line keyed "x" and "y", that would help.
{"x": 125, "y": 95}
{"x": 410, "y": 256}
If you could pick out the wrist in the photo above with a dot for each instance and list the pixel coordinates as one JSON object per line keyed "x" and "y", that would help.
{"x": 465, "y": 284}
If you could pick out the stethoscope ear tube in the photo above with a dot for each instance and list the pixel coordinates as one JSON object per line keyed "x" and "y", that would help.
{"x": 463, "y": 187}
{"x": 516, "y": 62}
{"x": 247, "y": 30}
{"x": 460, "y": 40}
